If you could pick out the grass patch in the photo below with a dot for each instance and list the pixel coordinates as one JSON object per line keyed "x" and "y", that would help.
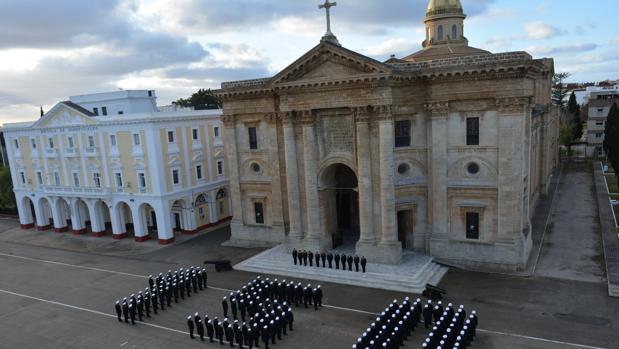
{"x": 612, "y": 183}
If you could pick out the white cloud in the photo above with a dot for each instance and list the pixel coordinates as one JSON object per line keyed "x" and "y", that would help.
{"x": 616, "y": 40}
{"x": 539, "y": 30}
{"x": 392, "y": 46}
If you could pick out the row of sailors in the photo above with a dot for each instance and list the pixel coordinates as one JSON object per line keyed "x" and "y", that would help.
{"x": 245, "y": 301}
{"x": 392, "y": 327}
{"x": 452, "y": 328}
{"x": 304, "y": 256}
{"x": 161, "y": 293}
{"x": 268, "y": 323}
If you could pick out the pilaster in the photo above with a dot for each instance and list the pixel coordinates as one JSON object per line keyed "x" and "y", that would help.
{"x": 364, "y": 165}
{"x": 292, "y": 179}
{"x": 437, "y": 154}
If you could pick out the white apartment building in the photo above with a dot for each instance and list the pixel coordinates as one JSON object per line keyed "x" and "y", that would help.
{"x": 111, "y": 163}
{"x": 599, "y": 101}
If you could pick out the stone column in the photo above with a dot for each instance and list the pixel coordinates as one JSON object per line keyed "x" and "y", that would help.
{"x": 77, "y": 222}
{"x": 25, "y": 213}
{"x": 392, "y": 248}
{"x": 437, "y": 139}
{"x": 292, "y": 181}
{"x": 118, "y": 223}
{"x": 233, "y": 163}
{"x": 164, "y": 223}
{"x": 96, "y": 224}
{"x": 140, "y": 228}
{"x": 278, "y": 229}
{"x": 60, "y": 223}
{"x": 364, "y": 164}
{"x": 313, "y": 240}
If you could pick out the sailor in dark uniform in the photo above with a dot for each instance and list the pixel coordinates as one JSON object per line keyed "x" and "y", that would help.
{"x": 364, "y": 262}
{"x": 210, "y": 330}
{"x": 317, "y": 257}
{"x": 294, "y": 256}
{"x": 350, "y": 259}
{"x": 310, "y": 254}
{"x": 132, "y": 313}
{"x": 140, "y": 307}
{"x": 118, "y": 311}
{"x": 330, "y": 259}
{"x": 323, "y": 257}
{"x": 356, "y": 260}
{"x": 224, "y": 305}
{"x": 200, "y": 328}
{"x": 190, "y": 325}
{"x": 337, "y": 261}
{"x": 125, "y": 309}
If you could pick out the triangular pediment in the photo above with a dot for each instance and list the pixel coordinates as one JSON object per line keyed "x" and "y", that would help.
{"x": 330, "y": 62}
{"x": 64, "y": 115}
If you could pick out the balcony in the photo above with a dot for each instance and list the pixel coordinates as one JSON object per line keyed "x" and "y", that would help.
{"x": 51, "y": 152}
{"x": 71, "y": 152}
{"x": 91, "y": 151}
{"x": 62, "y": 190}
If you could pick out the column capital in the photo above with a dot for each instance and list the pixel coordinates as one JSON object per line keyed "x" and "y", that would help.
{"x": 287, "y": 117}
{"x": 228, "y": 120}
{"x": 307, "y": 118}
{"x": 437, "y": 108}
{"x": 271, "y": 118}
{"x": 383, "y": 112}
{"x": 362, "y": 114}
{"x": 512, "y": 104}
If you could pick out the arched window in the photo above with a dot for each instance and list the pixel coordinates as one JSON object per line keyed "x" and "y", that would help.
{"x": 221, "y": 194}
{"x": 440, "y": 33}
{"x": 454, "y": 32}
{"x": 200, "y": 200}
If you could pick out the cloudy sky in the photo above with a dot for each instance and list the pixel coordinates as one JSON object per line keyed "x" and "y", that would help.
{"x": 51, "y": 49}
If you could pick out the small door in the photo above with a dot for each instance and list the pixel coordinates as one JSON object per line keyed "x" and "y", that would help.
{"x": 259, "y": 211}
{"x": 177, "y": 222}
{"x": 153, "y": 219}
{"x": 404, "y": 225}
{"x": 472, "y": 225}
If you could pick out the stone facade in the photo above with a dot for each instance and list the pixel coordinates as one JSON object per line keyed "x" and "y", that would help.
{"x": 322, "y": 152}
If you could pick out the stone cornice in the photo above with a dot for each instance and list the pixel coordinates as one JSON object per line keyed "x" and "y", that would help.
{"x": 270, "y": 118}
{"x": 512, "y": 104}
{"x": 306, "y": 117}
{"x": 437, "y": 109}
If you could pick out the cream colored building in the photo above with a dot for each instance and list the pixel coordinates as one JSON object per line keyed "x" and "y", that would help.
{"x": 120, "y": 167}
{"x": 444, "y": 152}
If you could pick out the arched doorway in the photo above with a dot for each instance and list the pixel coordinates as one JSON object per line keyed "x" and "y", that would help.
{"x": 146, "y": 224}
{"x": 340, "y": 204}
{"x": 83, "y": 215}
{"x": 125, "y": 219}
{"x": 179, "y": 216}
{"x": 64, "y": 215}
{"x": 44, "y": 218}
{"x": 223, "y": 209}
{"x": 28, "y": 218}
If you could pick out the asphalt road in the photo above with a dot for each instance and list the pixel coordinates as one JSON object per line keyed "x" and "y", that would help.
{"x": 61, "y": 297}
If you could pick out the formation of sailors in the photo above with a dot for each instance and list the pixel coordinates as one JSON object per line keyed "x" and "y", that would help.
{"x": 304, "y": 257}
{"x": 269, "y": 317}
{"x": 162, "y": 292}
{"x": 451, "y": 327}
{"x": 394, "y": 325}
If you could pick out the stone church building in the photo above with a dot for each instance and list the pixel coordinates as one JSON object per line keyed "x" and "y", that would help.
{"x": 444, "y": 152}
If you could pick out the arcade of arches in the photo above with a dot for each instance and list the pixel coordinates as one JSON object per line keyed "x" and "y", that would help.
{"x": 136, "y": 218}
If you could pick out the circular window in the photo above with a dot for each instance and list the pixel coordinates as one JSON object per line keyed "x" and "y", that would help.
{"x": 473, "y": 168}
{"x": 255, "y": 167}
{"x": 403, "y": 169}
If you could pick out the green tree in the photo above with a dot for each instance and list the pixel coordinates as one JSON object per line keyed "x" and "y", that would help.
{"x": 7, "y": 197}
{"x": 202, "y": 99}
{"x": 611, "y": 138}
{"x": 573, "y": 110}
{"x": 559, "y": 92}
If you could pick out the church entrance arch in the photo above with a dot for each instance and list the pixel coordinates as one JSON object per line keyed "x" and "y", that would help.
{"x": 340, "y": 204}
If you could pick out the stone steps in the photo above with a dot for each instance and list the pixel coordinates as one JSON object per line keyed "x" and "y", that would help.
{"x": 410, "y": 277}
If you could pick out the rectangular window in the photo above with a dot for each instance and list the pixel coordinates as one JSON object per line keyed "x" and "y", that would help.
{"x": 23, "y": 177}
{"x": 199, "y": 172}
{"x": 136, "y": 139}
{"x": 402, "y": 133}
{"x": 253, "y": 138}
{"x": 170, "y": 136}
{"x": 51, "y": 143}
{"x": 598, "y": 135}
{"x": 34, "y": 143}
{"x": 472, "y": 131}
{"x": 259, "y": 210}
{"x": 142, "y": 180}
{"x": 119, "y": 179}
{"x": 175, "y": 178}
{"x": 76, "y": 179}
{"x": 120, "y": 112}
{"x": 70, "y": 141}
{"x": 40, "y": 178}
{"x": 96, "y": 178}
{"x": 113, "y": 140}
{"x": 57, "y": 178}
{"x": 599, "y": 123}
{"x": 91, "y": 141}
{"x": 220, "y": 167}
{"x": 600, "y": 110}
{"x": 16, "y": 142}
{"x": 194, "y": 134}
{"x": 104, "y": 110}
{"x": 472, "y": 225}
{"x": 216, "y": 131}
{"x": 95, "y": 110}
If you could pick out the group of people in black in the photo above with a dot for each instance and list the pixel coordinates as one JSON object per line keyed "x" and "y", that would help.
{"x": 304, "y": 257}
{"x": 262, "y": 303}
{"x": 396, "y": 323}
{"x": 451, "y": 327}
{"x": 161, "y": 292}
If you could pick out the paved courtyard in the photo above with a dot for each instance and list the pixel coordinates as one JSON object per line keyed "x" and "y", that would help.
{"x": 57, "y": 297}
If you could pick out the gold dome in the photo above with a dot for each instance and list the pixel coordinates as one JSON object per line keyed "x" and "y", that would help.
{"x": 437, "y": 7}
